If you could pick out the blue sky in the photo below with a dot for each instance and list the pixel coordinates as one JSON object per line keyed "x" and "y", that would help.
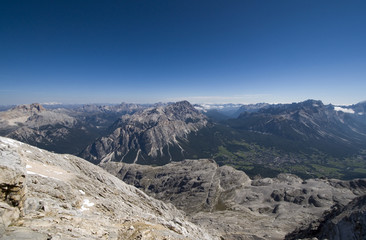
{"x": 212, "y": 51}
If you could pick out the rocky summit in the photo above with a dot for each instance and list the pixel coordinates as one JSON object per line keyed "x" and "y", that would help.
{"x": 52, "y": 196}
{"x": 231, "y": 205}
{"x": 151, "y": 136}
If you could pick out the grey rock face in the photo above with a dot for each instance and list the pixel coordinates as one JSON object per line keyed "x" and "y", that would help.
{"x": 233, "y": 206}
{"x": 33, "y": 116}
{"x": 36, "y": 125}
{"x": 341, "y": 223}
{"x": 70, "y": 198}
{"x": 190, "y": 185}
{"x": 12, "y": 190}
{"x": 147, "y": 135}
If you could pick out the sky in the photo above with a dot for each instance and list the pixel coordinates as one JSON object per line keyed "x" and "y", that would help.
{"x": 203, "y": 51}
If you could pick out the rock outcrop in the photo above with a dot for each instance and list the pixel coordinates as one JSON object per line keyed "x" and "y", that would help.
{"x": 190, "y": 185}
{"x": 52, "y": 196}
{"x": 341, "y": 223}
{"x": 231, "y": 205}
{"x": 151, "y": 136}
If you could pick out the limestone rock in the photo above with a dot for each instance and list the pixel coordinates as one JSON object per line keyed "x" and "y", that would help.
{"x": 70, "y": 198}
{"x": 342, "y": 222}
{"x": 231, "y": 205}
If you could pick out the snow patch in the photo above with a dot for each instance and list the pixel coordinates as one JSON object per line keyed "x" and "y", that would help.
{"x": 86, "y": 205}
{"x": 82, "y": 192}
{"x": 33, "y": 173}
{"x": 39, "y": 174}
{"x": 345, "y": 110}
{"x": 10, "y": 142}
{"x": 137, "y": 156}
{"x": 28, "y": 151}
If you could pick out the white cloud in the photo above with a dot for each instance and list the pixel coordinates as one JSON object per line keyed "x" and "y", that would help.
{"x": 346, "y": 110}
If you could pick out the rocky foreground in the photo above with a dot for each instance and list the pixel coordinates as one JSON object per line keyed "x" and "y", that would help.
{"x": 52, "y": 196}
{"x": 232, "y": 206}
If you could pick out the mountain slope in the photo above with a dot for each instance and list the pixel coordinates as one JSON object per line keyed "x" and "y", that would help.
{"x": 45, "y": 195}
{"x": 319, "y": 126}
{"x": 152, "y": 136}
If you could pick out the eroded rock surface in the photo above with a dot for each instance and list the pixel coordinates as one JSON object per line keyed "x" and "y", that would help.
{"x": 64, "y": 197}
{"x": 341, "y": 223}
{"x": 233, "y": 206}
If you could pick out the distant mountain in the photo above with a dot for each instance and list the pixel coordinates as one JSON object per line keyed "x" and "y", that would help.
{"x": 311, "y": 122}
{"x": 249, "y": 108}
{"x": 33, "y": 116}
{"x": 6, "y": 107}
{"x": 40, "y": 127}
{"x": 220, "y": 112}
{"x": 308, "y": 138}
{"x": 152, "y": 136}
{"x": 63, "y": 130}
{"x": 117, "y": 108}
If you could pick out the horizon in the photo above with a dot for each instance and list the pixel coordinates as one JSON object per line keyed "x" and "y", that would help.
{"x": 168, "y": 102}
{"x": 218, "y": 52}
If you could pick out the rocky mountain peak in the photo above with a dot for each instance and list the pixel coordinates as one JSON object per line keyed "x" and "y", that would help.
{"x": 34, "y": 108}
{"x": 148, "y": 135}
{"x": 312, "y": 102}
{"x": 182, "y": 105}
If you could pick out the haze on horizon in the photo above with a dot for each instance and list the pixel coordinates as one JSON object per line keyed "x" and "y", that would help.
{"x": 202, "y": 51}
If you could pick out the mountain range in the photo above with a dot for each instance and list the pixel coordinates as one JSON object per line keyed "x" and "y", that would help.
{"x": 308, "y": 138}
{"x": 61, "y": 128}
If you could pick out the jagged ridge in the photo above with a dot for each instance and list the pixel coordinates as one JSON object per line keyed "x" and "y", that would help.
{"x": 147, "y": 136}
